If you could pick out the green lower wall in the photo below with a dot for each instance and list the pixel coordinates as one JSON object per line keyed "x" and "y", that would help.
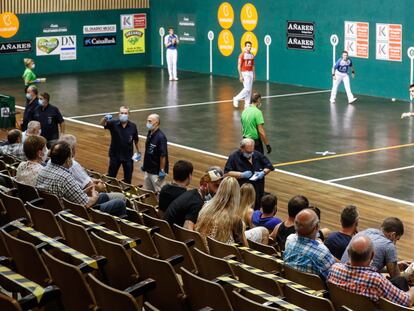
{"x": 374, "y": 77}
{"x": 88, "y": 58}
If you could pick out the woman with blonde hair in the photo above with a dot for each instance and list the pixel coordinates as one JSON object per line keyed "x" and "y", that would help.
{"x": 219, "y": 218}
{"x": 29, "y": 76}
{"x": 246, "y": 209}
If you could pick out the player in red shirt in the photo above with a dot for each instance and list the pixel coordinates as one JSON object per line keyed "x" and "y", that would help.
{"x": 247, "y": 75}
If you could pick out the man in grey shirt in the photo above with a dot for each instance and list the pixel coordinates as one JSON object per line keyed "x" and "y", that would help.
{"x": 385, "y": 252}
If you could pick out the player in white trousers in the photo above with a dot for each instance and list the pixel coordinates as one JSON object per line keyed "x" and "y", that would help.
{"x": 246, "y": 74}
{"x": 409, "y": 114}
{"x": 171, "y": 42}
{"x": 339, "y": 74}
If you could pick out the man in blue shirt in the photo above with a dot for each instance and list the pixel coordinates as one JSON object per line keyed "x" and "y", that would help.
{"x": 265, "y": 216}
{"x": 124, "y": 135}
{"x": 50, "y": 118}
{"x": 171, "y": 42}
{"x": 339, "y": 74}
{"x": 156, "y": 155}
{"x": 248, "y": 165}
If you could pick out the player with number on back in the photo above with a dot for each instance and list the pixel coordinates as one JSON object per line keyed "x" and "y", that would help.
{"x": 246, "y": 74}
{"x": 339, "y": 74}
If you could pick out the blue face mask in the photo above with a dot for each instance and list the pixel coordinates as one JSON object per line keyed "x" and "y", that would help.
{"x": 41, "y": 102}
{"x": 150, "y": 126}
{"x": 123, "y": 118}
{"x": 28, "y": 96}
{"x": 247, "y": 155}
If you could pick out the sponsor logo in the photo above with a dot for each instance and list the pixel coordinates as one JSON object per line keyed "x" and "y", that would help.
{"x": 300, "y": 43}
{"x": 15, "y": 47}
{"x": 92, "y": 29}
{"x": 131, "y": 21}
{"x": 52, "y": 28}
{"x": 9, "y": 24}
{"x": 99, "y": 41}
{"x": 225, "y": 15}
{"x": 301, "y": 28}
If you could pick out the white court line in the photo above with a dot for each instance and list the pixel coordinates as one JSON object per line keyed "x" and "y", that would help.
{"x": 196, "y": 104}
{"x": 372, "y": 173}
{"x": 373, "y": 194}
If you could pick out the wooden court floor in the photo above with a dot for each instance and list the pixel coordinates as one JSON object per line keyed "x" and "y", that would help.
{"x": 298, "y": 126}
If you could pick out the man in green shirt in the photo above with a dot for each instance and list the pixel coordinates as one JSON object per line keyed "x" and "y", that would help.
{"x": 252, "y": 123}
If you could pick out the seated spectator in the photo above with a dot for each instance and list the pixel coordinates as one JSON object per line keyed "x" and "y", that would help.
{"x": 337, "y": 241}
{"x": 184, "y": 210}
{"x": 360, "y": 277}
{"x": 247, "y": 201}
{"x": 34, "y": 148}
{"x": 385, "y": 251}
{"x": 33, "y": 128}
{"x": 80, "y": 175}
{"x": 323, "y": 232}
{"x": 56, "y": 178}
{"x": 182, "y": 173}
{"x": 266, "y": 215}
{"x": 14, "y": 146}
{"x": 303, "y": 252}
{"x": 218, "y": 218}
{"x": 286, "y": 228}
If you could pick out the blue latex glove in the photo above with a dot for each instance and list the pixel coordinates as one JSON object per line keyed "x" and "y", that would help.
{"x": 246, "y": 174}
{"x": 136, "y": 157}
{"x": 161, "y": 175}
{"x": 108, "y": 117}
{"x": 260, "y": 175}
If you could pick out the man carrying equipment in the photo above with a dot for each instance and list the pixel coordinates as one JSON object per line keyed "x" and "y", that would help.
{"x": 246, "y": 75}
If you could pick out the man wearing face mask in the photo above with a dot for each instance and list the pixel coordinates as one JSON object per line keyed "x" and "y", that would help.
{"x": 184, "y": 210}
{"x": 32, "y": 102}
{"x": 156, "y": 155}
{"x": 248, "y": 165}
{"x": 50, "y": 118}
{"x": 253, "y": 124}
{"x": 124, "y": 135}
{"x": 56, "y": 178}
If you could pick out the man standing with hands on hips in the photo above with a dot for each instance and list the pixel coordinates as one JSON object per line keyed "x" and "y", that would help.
{"x": 156, "y": 155}
{"x": 124, "y": 135}
{"x": 246, "y": 75}
{"x": 339, "y": 74}
{"x": 171, "y": 42}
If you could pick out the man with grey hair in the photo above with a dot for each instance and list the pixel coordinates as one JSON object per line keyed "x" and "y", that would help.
{"x": 124, "y": 135}
{"x": 156, "y": 155}
{"x": 248, "y": 165}
{"x": 14, "y": 145}
{"x": 33, "y": 129}
{"x": 302, "y": 251}
{"x": 359, "y": 277}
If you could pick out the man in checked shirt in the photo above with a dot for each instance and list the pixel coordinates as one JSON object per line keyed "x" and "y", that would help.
{"x": 359, "y": 277}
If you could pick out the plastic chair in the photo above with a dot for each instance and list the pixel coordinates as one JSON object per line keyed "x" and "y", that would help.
{"x": 77, "y": 237}
{"x": 310, "y": 280}
{"x": 26, "y": 192}
{"x": 119, "y": 270}
{"x": 386, "y": 305}
{"x": 210, "y": 267}
{"x": 75, "y": 292}
{"x": 341, "y": 297}
{"x": 76, "y": 209}
{"x": 265, "y": 262}
{"x": 168, "y": 287}
{"x": 14, "y": 207}
{"x": 241, "y": 303}
{"x": 44, "y": 221}
{"x": 307, "y": 301}
{"x": 196, "y": 288}
{"x": 108, "y": 220}
{"x": 164, "y": 226}
{"x": 147, "y": 245}
{"x": 221, "y": 250}
{"x": 266, "y": 249}
{"x": 51, "y": 201}
{"x": 168, "y": 248}
{"x": 185, "y": 235}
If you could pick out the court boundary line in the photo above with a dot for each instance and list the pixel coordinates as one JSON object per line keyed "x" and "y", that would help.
{"x": 197, "y": 104}
{"x": 371, "y": 174}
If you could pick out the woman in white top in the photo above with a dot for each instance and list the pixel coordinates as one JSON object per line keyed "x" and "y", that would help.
{"x": 34, "y": 148}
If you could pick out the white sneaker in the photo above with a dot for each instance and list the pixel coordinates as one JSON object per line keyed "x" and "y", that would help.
{"x": 171, "y": 79}
{"x": 352, "y": 100}
{"x": 235, "y": 103}
{"x": 332, "y": 102}
{"x": 175, "y": 79}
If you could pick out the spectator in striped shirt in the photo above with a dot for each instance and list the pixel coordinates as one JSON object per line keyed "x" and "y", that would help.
{"x": 359, "y": 277}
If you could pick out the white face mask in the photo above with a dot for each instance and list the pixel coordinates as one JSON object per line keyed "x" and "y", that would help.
{"x": 44, "y": 156}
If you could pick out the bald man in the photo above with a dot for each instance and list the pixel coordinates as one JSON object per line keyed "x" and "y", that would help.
{"x": 358, "y": 276}
{"x": 302, "y": 251}
{"x": 156, "y": 155}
